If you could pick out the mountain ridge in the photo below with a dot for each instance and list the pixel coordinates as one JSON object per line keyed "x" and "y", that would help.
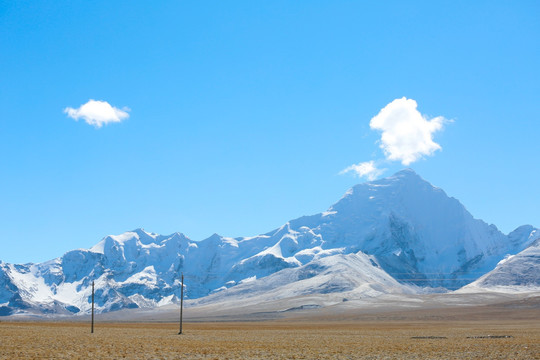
{"x": 410, "y": 229}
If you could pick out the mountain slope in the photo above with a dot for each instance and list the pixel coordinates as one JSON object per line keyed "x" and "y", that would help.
{"x": 347, "y": 276}
{"x": 410, "y": 231}
{"x": 515, "y": 273}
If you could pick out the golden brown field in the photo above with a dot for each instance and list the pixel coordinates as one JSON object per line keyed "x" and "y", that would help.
{"x": 365, "y": 339}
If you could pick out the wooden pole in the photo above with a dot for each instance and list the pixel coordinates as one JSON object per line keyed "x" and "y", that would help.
{"x": 92, "y": 330}
{"x": 181, "y": 303}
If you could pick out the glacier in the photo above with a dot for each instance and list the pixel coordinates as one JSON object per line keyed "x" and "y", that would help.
{"x": 399, "y": 234}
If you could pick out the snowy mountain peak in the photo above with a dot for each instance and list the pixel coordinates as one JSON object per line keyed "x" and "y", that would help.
{"x": 527, "y": 232}
{"x": 415, "y": 230}
{"x": 404, "y": 194}
{"x": 396, "y": 184}
{"x": 406, "y": 173}
{"x": 215, "y": 238}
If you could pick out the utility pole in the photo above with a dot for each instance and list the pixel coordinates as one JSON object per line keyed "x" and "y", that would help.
{"x": 181, "y": 303}
{"x": 92, "y": 330}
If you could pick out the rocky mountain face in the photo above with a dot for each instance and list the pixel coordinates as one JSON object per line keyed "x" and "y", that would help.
{"x": 398, "y": 234}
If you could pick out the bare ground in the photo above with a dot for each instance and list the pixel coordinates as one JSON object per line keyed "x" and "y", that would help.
{"x": 503, "y": 330}
{"x": 411, "y": 335}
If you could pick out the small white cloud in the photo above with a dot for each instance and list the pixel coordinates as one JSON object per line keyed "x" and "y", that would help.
{"x": 407, "y": 135}
{"x": 97, "y": 113}
{"x": 365, "y": 169}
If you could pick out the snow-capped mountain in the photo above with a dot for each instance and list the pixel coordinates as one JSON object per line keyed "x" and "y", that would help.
{"x": 398, "y": 228}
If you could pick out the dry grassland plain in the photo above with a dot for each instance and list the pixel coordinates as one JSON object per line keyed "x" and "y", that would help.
{"x": 290, "y": 339}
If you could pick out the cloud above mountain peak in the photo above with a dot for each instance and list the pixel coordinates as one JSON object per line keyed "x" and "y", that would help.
{"x": 407, "y": 135}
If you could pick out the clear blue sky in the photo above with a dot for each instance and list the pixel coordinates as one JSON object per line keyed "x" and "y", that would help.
{"x": 244, "y": 113}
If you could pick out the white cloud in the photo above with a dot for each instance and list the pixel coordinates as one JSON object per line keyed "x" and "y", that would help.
{"x": 365, "y": 169}
{"x": 97, "y": 113}
{"x": 407, "y": 135}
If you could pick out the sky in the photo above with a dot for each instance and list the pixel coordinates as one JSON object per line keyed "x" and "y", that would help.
{"x": 234, "y": 117}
